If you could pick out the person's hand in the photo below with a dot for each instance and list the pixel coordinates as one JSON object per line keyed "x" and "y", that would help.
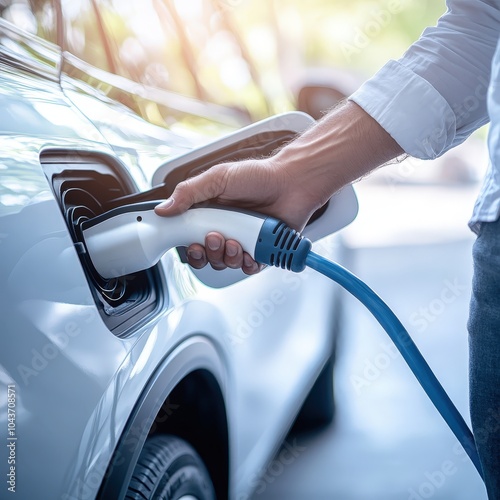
{"x": 342, "y": 147}
{"x": 259, "y": 185}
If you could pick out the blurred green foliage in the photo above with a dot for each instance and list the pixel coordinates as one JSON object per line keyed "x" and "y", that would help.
{"x": 248, "y": 54}
{"x": 355, "y": 35}
{"x": 374, "y": 30}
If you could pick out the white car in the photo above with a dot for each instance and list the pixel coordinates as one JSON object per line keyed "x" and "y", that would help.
{"x": 167, "y": 383}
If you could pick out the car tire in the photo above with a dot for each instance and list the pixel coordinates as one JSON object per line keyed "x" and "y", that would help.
{"x": 169, "y": 469}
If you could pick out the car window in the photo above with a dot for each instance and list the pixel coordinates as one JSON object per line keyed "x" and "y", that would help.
{"x": 37, "y": 17}
{"x": 83, "y": 33}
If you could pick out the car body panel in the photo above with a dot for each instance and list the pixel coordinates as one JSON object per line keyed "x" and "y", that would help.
{"x": 265, "y": 339}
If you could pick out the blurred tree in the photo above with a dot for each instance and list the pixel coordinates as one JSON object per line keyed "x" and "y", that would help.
{"x": 358, "y": 36}
{"x": 248, "y": 53}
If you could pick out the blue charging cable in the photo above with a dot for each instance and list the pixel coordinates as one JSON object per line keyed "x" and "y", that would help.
{"x": 280, "y": 246}
{"x": 131, "y": 238}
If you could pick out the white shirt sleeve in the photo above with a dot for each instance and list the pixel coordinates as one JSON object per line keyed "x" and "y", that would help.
{"x": 434, "y": 97}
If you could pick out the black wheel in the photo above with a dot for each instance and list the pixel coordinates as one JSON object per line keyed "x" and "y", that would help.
{"x": 169, "y": 469}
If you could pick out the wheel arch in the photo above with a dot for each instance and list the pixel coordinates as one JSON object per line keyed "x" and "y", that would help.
{"x": 185, "y": 396}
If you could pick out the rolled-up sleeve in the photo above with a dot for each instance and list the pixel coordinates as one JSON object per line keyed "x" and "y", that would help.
{"x": 434, "y": 97}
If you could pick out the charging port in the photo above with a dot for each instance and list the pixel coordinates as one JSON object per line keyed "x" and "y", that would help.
{"x": 85, "y": 186}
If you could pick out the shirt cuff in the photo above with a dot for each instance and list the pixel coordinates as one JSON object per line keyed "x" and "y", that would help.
{"x": 410, "y": 109}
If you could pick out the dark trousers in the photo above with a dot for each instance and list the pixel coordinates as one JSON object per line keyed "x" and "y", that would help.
{"x": 484, "y": 345}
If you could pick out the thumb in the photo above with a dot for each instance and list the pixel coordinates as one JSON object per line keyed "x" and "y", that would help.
{"x": 203, "y": 187}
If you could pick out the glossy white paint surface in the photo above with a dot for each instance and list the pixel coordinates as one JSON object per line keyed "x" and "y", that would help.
{"x": 264, "y": 339}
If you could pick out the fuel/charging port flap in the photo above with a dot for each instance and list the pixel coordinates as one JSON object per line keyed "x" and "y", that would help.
{"x": 84, "y": 184}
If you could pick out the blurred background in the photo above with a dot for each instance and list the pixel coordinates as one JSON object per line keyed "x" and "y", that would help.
{"x": 250, "y": 54}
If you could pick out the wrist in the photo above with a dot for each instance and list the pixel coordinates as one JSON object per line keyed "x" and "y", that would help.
{"x": 342, "y": 147}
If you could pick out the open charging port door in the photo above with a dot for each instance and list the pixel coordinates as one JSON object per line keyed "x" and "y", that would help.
{"x": 255, "y": 141}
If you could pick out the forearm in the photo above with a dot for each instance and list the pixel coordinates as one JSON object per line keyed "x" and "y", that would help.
{"x": 341, "y": 148}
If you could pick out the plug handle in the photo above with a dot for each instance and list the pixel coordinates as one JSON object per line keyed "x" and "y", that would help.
{"x": 133, "y": 238}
